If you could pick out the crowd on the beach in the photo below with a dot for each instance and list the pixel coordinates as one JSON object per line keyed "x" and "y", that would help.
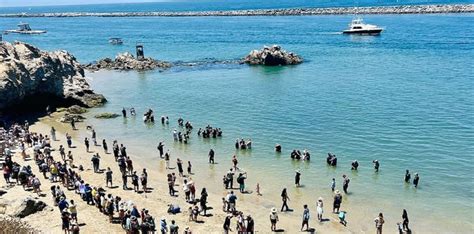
{"x": 63, "y": 171}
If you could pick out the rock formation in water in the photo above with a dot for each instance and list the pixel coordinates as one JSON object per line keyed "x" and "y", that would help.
{"x": 28, "y": 72}
{"x": 272, "y": 56}
{"x": 127, "y": 61}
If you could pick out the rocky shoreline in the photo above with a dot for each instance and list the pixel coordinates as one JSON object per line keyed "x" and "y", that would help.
{"x": 33, "y": 75}
{"x": 403, "y": 9}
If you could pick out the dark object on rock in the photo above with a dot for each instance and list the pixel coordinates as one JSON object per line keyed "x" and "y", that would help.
{"x": 106, "y": 116}
{"x": 28, "y": 207}
{"x": 126, "y": 62}
{"x": 2, "y": 192}
{"x": 272, "y": 56}
{"x": 27, "y": 72}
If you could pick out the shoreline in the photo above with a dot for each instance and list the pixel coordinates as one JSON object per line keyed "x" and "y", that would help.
{"x": 400, "y": 9}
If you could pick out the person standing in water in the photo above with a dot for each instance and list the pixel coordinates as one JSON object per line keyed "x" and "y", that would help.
{"x": 337, "y": 202}
{"x": 124, "y": 113}
{"x": 407, "y": 176}
{"x": 190, "y": 168}
{"x": 376, "y": 165}
{"x": 345, "y": 183}
{"x": 297, "y": 178}
{"x": 379, "y": 221}
{"x": 416, "y": 179}
{"x": 211, "y": 156}
{"x": 160, "y": 148}
{"x": 333, "y": 184}
{"x": 306, "y": 217}
{"x": 285, "y": 199}
{"x": 167, "y": 159}
{"x": 405, "y": 220}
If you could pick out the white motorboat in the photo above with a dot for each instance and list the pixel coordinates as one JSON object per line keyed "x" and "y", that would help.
{"x": 24, "y": 28}
{"x": 357, "y": 26}
{"x": 115, "y": 41}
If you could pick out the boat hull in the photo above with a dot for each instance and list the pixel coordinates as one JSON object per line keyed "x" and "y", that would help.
{"x": 26, "y": 32}
{"x": 363, "y": 32}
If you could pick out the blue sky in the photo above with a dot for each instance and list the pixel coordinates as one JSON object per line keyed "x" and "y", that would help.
{"x": 11, "y": 3}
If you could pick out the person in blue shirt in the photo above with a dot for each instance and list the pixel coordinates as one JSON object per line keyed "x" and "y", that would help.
{"x": 306, "y": 217}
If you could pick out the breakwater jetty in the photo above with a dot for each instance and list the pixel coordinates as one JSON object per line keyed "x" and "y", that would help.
{"x": 406, "y": 9}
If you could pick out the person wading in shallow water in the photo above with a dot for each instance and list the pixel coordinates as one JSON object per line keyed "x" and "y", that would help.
{"x": 285, "y": 199}
{"x": 297, "y": 178}
{"x": 211, "y": 156}
{"x": 345, "y": 183}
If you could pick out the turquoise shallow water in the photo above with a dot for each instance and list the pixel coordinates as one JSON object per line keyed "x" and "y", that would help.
{"x": 404, "y": 98}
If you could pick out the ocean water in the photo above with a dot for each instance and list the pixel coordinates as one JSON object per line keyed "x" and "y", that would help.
{"x": 404, "y": 98}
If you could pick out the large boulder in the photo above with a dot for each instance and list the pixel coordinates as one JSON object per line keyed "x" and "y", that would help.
{"x": 29, "y": 206}
{"x": 126, "y": 61}
{"x": 272, "y": 56}
{"x": 28, "y": 72}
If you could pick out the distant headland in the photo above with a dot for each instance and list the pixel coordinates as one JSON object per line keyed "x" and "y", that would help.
{"x": 405, "y": 9}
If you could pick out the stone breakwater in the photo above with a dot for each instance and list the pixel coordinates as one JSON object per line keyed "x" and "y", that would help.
{"x": 126, "y": 62}
{"x": 407, "y": 9}
{"x": 28, "y": 72}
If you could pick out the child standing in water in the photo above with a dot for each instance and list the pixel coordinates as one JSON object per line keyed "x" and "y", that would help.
{"x": 333, "y": 184}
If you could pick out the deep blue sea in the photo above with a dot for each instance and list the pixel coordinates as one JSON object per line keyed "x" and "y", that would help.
{"x": 405, "y": 98}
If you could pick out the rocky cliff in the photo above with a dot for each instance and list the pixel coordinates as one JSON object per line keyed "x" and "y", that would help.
{"x": 272, "y": 56}
{"x": 28, "y": 72}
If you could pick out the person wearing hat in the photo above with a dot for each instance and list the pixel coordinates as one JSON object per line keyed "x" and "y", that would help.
{"x": 376, "y": 165}
{"x": 163, "y": 227}
{"x": 187, "y": 230}
{"x": 297, "y": 178}
{"x": 319, "y": 208}
{"x": 337, "y": 202}
{"x": 273, "y": 218}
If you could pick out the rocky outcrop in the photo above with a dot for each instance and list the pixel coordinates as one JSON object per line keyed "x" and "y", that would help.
{"x": 106, "y": 116}
{"x": 127, "y": 61}
{"x": 29, "y": 206}
{"x": 272, "y": 56}
{"x": 28, "y": 72}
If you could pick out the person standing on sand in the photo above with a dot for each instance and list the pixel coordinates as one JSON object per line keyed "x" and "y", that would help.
{"x": 285, "y": 199}
{"x": 53, "y": 133}
{"x": 235, "y": 161}
{"x": 108, "y": 177}
{"x": 319, "y": 209}
{"x": 345, "y": 183}
{"x": 407, "y": 176}
{"x": 129, "y": 163}
{"x": 167, "y": 159}
{"x": 211, "y": 156}
{"x": 124, "y": 181}
{"x": 337, "y": 202}
{"x": 179, "y": 164}
{"x": 69, "y": 140}
{"x": 135, "y": 182}
{"x": 297, "y": 178}
{"x": 306, "y": 217}
{"x": 73, "y": 124}
{"x": 273, "y": 219}
{"x": 241, "y": 180}
{"x": 379, "y": 221}
{"x": 86, "y": 143}
{"x": 95, "y": 162}
{"x": 104, "y": 146}
{"x": 189, "y": 168}
{"x": 94, "y": 137}
{"x": 405, "y": 220}
{"x": 226, "y": 225}
{"x": 257, "y": 189}
{"x": 416, "y": 179}
{"x": 160, "y": 148}
{"x": 203, "y": 201}
{"x": 144, "y": 179}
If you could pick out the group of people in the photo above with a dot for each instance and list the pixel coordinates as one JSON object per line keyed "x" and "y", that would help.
{"x": 297, "y": 155}
{"x": 209, "y": 132}
{"x": 242, "y": 144}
